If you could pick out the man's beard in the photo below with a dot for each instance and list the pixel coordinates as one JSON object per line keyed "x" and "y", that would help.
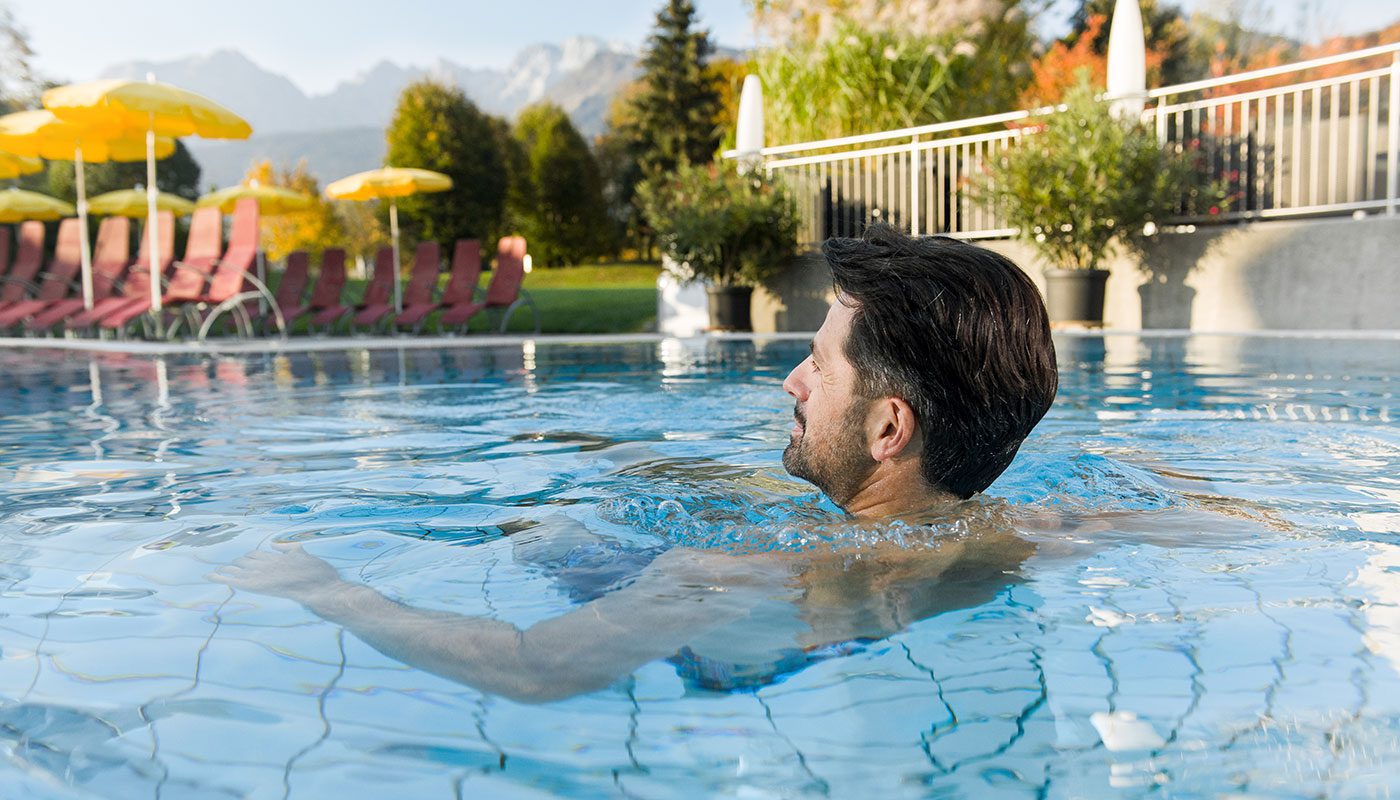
{"x": 837, "y": 466}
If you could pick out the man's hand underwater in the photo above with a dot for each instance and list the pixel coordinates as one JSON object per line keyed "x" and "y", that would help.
{"x": 289, "y": 572}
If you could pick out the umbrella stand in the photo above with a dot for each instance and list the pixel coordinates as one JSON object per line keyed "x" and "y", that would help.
{"x": 394, "y": 234}
{"x": 152, "y": 220}
{"x": 84, "y": 248}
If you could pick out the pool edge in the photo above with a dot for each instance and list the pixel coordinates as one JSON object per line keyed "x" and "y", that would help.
{"x": 319, "y": 344}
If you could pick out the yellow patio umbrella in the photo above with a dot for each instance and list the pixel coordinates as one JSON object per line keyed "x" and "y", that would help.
{"x": 272, "y": 200}
{"x": 133, "y": 203}
{"x": 17, "y": 205}
{"x": 389, "y": 183}
{"x": 12, "y": 166}
{"x": 159, "y": 109}
{"x": 42, "y": 134}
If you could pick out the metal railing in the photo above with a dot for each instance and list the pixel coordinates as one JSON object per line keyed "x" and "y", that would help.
{"x": 1324, "y": 146}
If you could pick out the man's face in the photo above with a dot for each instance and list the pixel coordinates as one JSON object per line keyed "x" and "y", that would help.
{"x": 828, "y": 444}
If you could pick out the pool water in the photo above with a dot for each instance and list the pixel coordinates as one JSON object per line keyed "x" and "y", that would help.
{"x": 1207, "y": 604}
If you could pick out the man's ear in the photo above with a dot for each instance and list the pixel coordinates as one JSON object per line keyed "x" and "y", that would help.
{"x": 892, "y": 427}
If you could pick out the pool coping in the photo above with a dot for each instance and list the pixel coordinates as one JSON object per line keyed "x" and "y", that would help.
{"x": 313, "y": 344}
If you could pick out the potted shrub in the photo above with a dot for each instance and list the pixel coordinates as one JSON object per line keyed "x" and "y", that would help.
{"x": 1082, "y": 182}
{"x": 736, "y": 231}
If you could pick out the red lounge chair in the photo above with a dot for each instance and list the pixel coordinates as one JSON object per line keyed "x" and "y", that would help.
{"x": 460, "y": 290}
{"x": 109, "y": 260}
{"x": 18, "y": 285}
{"x": 4, "y": 249}
{"x": 380, "y": 289}
{"x": 67, "y": 261}
{"x": 295, "y": 275}
{"x": 138, "y": 278}
{"x": 504, "y": 293}
{"x": 234, "y": 285}
{"x": 427, "y": 262}
{"x": 186, "y": 284}
{"x": 325, "y": 306}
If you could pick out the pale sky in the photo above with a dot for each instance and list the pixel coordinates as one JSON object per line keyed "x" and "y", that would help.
{"x": 318, "y": 43}
{"x": 1310, "y": 20}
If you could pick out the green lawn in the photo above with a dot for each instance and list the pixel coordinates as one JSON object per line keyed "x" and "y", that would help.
{"x": 596, "y": 298}
{"x": 601, "y": 298}
{"x": 633, "y": 276}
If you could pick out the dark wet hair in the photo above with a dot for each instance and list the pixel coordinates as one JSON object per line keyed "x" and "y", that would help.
{"x": 960, "y": 334}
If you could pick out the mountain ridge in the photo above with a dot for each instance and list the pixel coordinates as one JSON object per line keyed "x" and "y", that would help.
{"x": 340, "y": 131}
{"x": 272, "y": 103}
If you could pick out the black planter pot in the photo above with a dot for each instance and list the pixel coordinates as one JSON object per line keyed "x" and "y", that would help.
{"x": 729, "y": 308}
{"x": 1075, "y": 296}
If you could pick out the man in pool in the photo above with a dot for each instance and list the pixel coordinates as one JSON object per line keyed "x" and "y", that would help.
{"x": 932, "y": 366}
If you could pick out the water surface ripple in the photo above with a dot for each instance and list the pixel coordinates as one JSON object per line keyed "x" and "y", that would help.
{"x": 1212, "y": 605}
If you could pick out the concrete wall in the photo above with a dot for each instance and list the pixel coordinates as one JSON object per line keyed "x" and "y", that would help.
{"x": 1296, "y": 275}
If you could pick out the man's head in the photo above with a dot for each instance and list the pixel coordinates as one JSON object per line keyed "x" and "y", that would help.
{"x": 933, "y": 365}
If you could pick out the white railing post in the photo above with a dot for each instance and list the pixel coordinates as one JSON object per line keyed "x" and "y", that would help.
{"x": 916, "y": 168}
{"x": 1392, "y": 156}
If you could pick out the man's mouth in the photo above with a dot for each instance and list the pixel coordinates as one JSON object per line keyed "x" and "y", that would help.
{"x": 801, "y": 422}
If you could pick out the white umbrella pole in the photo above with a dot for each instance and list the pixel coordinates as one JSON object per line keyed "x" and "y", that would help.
{"x": 152, "y": 220}
{"x": 394, "y": 234}
{"x": 85, "y": 250}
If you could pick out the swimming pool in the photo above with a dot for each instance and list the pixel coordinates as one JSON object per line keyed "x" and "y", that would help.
{"x": 1212, "y": 604}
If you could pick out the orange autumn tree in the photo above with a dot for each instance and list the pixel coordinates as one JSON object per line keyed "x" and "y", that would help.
{"x": 1060, "y": 68}
{"x": 1281, "y": 54}
{"x": 313, "y": 230}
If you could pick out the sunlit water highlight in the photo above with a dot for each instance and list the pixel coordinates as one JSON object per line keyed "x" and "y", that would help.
{"x": 1214, "y": 605}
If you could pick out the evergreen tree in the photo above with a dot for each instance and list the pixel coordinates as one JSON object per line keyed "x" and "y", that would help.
{"x": 618, "y": 160}
{"x": 436, "y": 127}
{"x": 562, "y": 216}
{"x": 674, "y": 113}
{"x": 177, "y": 173}
{"x": 519, "y": 191}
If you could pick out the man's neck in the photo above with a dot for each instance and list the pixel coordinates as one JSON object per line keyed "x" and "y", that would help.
{"x": 896, "y": 494}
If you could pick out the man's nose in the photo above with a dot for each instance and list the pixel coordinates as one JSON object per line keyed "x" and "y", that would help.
{"x": 793, "y": 383}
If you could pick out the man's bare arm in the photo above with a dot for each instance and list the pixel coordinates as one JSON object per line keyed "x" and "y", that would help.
{"x": 681, "y": 594}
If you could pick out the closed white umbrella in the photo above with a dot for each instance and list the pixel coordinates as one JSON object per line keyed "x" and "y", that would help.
{"x": 748, "y": 139}
{"x": 1127, "y": 61}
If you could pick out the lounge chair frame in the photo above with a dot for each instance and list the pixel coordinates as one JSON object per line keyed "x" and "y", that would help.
{"x": 242, "y": 320}
{"x": 504, "y": 314}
